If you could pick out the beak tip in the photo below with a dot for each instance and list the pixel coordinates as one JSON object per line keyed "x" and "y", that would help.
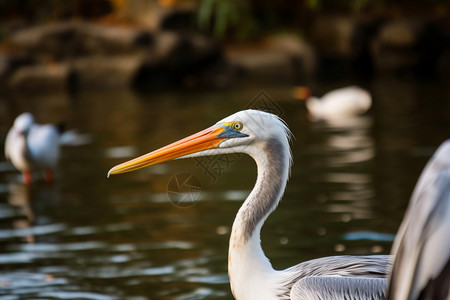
{"x": 109, "y": 173}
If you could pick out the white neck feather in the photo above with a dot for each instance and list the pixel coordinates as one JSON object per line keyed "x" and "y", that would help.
{"x": 251, "y": 274}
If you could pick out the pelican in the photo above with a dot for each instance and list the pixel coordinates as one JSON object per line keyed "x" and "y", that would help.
{"x": 421, "y": 250}
{"x": 265, "y": 137}
{"x": 421, "y": 269}
{"x": 32, "y": 147}
{"x": 340, "y": 103}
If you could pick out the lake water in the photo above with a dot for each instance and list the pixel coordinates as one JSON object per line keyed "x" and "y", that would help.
{"x": 140, "y": 236}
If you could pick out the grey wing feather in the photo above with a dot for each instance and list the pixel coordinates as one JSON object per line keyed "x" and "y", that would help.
{"x": 339, "y": 288}
{"x": 345, "y": 266}
{"x": 422, "y": 246}
{"x": 374, "y": 266}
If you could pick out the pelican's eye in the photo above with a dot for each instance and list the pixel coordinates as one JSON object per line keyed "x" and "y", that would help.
{"x": 237, "y": 125}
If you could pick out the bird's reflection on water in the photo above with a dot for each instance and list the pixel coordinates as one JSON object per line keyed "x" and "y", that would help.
{"x": 19, "y": 197}
{"x": 346, "y": 145}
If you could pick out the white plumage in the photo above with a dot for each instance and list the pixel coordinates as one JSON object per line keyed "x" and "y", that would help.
{"x": 340, "y": 103}
{"x": 32, "y": 147}
{"x": 264, "y": 137}
{"x": 422, "y": 248}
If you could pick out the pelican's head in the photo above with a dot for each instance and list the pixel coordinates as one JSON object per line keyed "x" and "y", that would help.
{"x": 23, "y": 123}
{"x": 242, "y": 132}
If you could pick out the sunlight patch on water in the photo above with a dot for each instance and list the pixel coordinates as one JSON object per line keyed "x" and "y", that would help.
{"x": 211, "y": 279}
{"x": 152, "y": 246}
{"x": 85, "y": 230}
{"x": 119, "y": 227}
{"x": 235, "y": 195}
{"x": 200, "y": 293}
{"x": 47, "y": 247}
{"x": 21, "y": 280}
{"x": 6, "y": 166}
{"x": 120, "y": 152}
{"x": 369, "y": 235}
{"x": 357, "y": 196}
{"x": 121, "y": 258}
{"x": 77, "y": 295}
{"x": 16, "y": 258}
{"x": 356, "y": 178}
{"x": 35, "y": 230}
{"x": 172, "y": 245}
{"x": 7, "y": 211}
{"x": 158, "y": 271}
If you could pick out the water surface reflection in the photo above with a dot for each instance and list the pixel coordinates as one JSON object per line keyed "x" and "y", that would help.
{"x": 88, "y": 237}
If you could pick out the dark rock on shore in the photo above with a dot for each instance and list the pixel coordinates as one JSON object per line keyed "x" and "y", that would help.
{"x": 86, "y": 55}
{"x": 162, "y": 50}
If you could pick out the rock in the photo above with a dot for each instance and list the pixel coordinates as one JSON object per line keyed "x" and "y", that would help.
{"x": 180, "y": 18}
{"x": 107, "y": 71}
{"x": 156, "y": 16}
{"x": 280, "y": 58}
{"x": 397, "y": 34}
{"x": 433, "y": 48}
{"x": 178, "y": 59}
{"x": 301, "y": 52}
{"x": 263, "y": 65}
{"x": 52, "y": 40}
{"x": 192, "y": 51}
{"x": 9, "y": 63}
{"x": 333, "y": 39}
{"x": 49, "y": 78}
{"x": 332, "y": 35}
{"x": 166, "y": 42}
{"x": 393, "y": 49}
{"x": 73, "y": 39}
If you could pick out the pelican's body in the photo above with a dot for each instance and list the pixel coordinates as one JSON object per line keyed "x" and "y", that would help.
{"x": 421, "y": 268}
{"x": 340, "y": 103}
{"x": 32, "y": 147}
{"x": 421, "y": 250}
{"x": 265, "y": 138}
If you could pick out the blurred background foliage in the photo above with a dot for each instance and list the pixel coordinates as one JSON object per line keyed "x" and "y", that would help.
{"x": 241, "y": 20}
{"x": 155, "y": 43}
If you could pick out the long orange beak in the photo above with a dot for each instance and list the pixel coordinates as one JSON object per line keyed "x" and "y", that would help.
{"x": 203, "y": 140}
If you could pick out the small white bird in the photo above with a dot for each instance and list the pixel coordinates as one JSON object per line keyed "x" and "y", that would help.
{"x": 32, "y": 147}
{"x": 341, "y": 103}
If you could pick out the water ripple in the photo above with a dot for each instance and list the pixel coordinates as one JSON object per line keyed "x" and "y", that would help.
{"x": 23, "y": 280}
{"x": 77, "y": 295}
{"x": 47, "y": 248}
{"x": 369, "y": 235}
{"x": 35, "y": 230}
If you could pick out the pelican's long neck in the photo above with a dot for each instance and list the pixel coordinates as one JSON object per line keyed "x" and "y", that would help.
{"x": 247, "y": 261}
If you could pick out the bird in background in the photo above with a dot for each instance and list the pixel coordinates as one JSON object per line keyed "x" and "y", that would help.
{"x": 265, "y": 138}
{"x": 340, "y": 103}
{"x": 33, "y": 147}
{"x": 421, "y": 267}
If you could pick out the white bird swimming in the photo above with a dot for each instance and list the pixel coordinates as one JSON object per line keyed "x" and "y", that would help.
{"x": 32, "y": 147}
{"x": 265, "y": 137}
{"x": 340, "y": 103}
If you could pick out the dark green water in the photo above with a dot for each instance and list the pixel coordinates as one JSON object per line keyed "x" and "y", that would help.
{"x": 88, "y": 237}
